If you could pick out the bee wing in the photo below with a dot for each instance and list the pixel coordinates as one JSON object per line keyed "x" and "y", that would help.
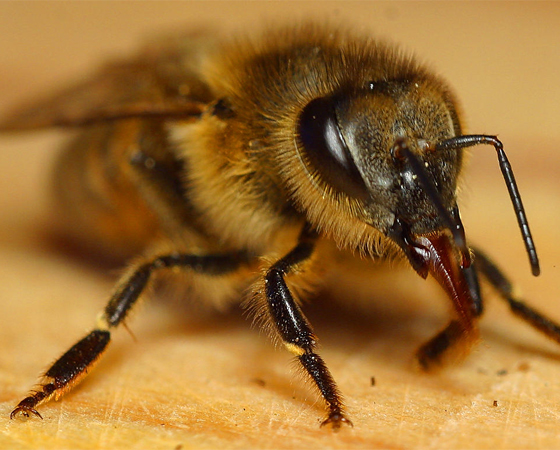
{"x": 156, "y": 84}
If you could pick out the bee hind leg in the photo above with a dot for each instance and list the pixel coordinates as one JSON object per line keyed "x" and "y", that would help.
{"x": 75, "y": 364}
{"x": 65, "y": 372}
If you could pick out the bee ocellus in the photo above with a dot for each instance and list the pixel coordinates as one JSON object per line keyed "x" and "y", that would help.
{"x": 245, "y": 163}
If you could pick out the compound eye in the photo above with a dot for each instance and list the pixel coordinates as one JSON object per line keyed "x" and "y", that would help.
{"x": 326, "y": 150}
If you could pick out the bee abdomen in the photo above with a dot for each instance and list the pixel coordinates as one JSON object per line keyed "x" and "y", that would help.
{"x": 98, "y": 208}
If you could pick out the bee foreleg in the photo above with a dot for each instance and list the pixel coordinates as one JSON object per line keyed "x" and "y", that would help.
{"x": 295, "y": 330}
{"x": 504, "y": 287}
{"x": 75, "y": 364}
{"x": 431, "y": 354}
{"x": 461, "y": 333}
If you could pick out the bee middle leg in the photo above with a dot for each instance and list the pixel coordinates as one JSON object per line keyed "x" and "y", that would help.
{"x": 505, "y": 288}
{"x": 74, "y": 365}
{"x": 295, "y": 330}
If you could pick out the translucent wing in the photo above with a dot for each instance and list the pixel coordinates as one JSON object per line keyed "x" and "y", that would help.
{"x": 162, "y": 81}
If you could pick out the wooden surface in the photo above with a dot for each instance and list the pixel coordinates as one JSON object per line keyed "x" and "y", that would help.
{"x": 191, "y": 380}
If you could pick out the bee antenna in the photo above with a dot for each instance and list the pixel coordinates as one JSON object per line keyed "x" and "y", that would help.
{"x": 451, "y": 220}
{"x": 459, "y": 142}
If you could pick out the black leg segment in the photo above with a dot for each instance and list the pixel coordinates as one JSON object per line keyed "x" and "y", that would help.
{"x": 295, "y": 330}
{"x": 505, "y": 288}
{"x": 130, "y": 288}
{"x": 65, "y": 372}
{"x": 74, "y": 365}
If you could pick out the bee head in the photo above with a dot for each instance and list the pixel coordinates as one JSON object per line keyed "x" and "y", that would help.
{"x": 352, "y": 146}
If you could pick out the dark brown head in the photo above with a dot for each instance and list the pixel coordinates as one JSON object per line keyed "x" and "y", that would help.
{"x": 347, "y": 142}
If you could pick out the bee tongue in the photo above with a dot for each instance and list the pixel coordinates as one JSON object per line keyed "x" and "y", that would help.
{"x": 436, "y": 254}
{"x": 440, "y": 259}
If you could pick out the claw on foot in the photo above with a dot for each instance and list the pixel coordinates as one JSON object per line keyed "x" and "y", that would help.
{"x": 25, "y": 409}
{"x": 24, "y": 412}
{"x": 335, "y": 420}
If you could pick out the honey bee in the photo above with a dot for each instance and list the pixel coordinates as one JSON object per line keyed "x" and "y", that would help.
{"x": 246, "y": 164}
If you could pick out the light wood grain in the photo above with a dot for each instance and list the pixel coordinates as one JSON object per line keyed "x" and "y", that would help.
{"x": 202, "y": 380}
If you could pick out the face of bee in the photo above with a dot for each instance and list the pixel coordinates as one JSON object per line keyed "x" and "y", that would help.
{"x": 347, "y": 142}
